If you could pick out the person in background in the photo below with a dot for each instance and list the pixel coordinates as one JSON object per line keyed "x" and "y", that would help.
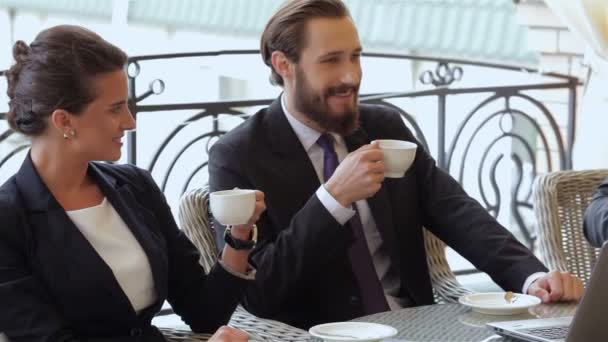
{"x": 90, "y": 251}
{"x": 595, "y": 224}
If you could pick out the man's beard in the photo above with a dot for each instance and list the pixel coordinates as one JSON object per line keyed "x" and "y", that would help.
{"x": 316, "y": 108}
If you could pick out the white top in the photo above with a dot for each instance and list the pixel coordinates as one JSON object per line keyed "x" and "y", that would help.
{"x": 114, "y": 242}
{"x": 390, "y": 281}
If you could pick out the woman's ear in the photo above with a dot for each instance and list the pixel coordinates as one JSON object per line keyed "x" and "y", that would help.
{"x": 61, "y": 122}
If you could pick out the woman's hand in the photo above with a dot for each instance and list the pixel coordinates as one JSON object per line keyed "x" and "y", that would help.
{"x": 260, "y": 207}
{"x": 243, "y": 232}
{"x": 237, "y": 260}
{"x": 229, "y": 334}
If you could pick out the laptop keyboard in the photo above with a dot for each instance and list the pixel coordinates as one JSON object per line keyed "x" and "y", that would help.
{"x": 551, "y": 333}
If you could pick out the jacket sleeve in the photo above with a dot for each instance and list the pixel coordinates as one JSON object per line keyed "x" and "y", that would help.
{"x": 204, "y": 302}
{"x": 595, "y": 224}
{"x": 286, "y": 258}
{"x": 463, "y": 224}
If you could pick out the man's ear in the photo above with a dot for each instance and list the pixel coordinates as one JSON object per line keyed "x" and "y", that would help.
{"x": 282, "y": 65}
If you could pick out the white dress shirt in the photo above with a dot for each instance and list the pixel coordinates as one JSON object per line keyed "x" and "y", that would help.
{"x": 390, "y": 281}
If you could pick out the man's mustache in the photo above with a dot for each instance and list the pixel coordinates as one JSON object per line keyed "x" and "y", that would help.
{"x": 343, "y": 88}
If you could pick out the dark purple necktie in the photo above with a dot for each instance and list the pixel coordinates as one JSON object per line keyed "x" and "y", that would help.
{"x": 372, "y": 294}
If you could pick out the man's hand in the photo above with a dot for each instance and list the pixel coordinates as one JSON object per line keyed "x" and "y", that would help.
{"x": 557, "y": 286}
{"x": 359, "y": 175}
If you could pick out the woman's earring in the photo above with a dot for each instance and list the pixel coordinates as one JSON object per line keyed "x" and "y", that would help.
{"x": 69, "y": 134}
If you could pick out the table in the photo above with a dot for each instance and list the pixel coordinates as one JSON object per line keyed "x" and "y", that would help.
{"x": 455, "y": 322}
{"x": 259, "y": 329}
{"x": 432, "y": 323}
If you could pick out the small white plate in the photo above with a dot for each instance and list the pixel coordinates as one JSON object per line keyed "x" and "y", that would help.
{"x": 494, "y": 303}
{"x": 352, "y": 331}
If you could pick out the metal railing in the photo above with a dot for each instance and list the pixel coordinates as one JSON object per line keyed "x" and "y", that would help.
{"x": 473, "y": 140}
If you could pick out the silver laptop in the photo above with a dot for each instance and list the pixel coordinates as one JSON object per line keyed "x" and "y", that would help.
{"x": 589, "y": 323}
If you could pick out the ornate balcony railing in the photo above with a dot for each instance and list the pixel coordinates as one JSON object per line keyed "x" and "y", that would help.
{"x": 494, "y": 148}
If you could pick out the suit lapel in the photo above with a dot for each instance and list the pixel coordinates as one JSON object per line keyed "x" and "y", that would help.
{"x": 293, "y": 164}
{"x": 140, "y": 221}
{"x": 379, "y": 204}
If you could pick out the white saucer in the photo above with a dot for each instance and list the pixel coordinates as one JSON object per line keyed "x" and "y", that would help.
{"x": 352, "y": 331}
{"x": 493, "y": 303}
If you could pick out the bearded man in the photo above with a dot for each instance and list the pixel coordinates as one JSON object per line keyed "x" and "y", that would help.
{"x": 337, "y": 239}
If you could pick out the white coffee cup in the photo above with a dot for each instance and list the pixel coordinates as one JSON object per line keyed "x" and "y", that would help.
{"x": 232, "y": 207}
{"x": 398, "y": 156}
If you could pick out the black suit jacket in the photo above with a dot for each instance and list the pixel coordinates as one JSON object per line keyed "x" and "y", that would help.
{"x": 304, "y": 276}
{"x": 55, "y": 287}
{"x": 595, "y": 224}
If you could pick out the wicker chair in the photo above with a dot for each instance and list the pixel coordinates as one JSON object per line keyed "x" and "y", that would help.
{"x": 560, "y": 200}
{"x": 194, "y": 218}
{"x": 446, "y": 289}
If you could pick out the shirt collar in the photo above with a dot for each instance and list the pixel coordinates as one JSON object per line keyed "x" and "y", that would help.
{"x": 307, "y": 136}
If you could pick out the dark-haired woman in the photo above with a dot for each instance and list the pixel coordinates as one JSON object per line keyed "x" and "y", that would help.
{"x": 90, "y": 251}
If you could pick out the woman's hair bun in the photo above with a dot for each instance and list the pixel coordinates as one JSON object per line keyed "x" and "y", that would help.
{"x": 20, "y": 51}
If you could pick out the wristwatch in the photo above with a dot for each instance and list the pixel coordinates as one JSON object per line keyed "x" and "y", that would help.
{"x": 239, "y": 244}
